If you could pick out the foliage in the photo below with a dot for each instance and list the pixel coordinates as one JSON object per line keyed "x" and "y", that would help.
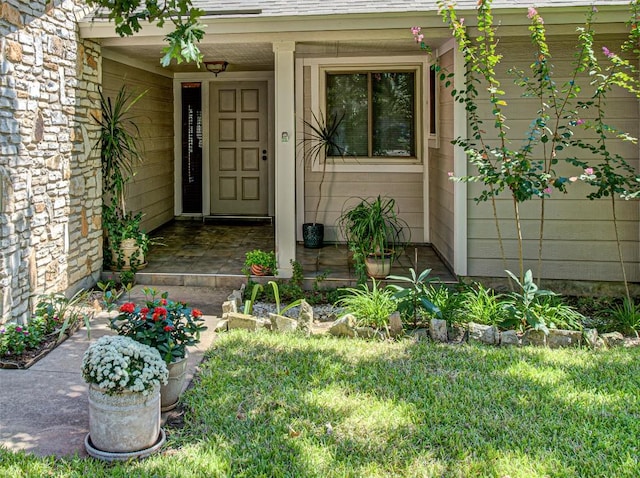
{"x": 118, "y": 364}
{"x": 320, "y": 140}
{"x": 522, "y": 307}
{"x": 248, "y": 303}
{"x": 110, "y": 294}
{"x": 415, "y": 297}
{"x": 276, "y": 295}
{"x": 128, "y": 15}
{"x": 626, "y": 317}
{"x": 56, "y": 308}
{"x": 373, "y": 227}
{"x": 447, "y": 300}
{"x": 161, "y": 323}
{"x": 481, "y": 305}
{"x": 559, "y": 315}
{"x": 15, "y": 339}
{"x": 371, "y": 307}
{"x": 264, "y": 259}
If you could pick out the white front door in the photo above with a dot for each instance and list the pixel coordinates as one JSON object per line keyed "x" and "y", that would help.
{"x": 239, "y": 148}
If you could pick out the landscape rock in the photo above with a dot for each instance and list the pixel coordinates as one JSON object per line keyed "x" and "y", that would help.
{"x": 229, "y": 306}
{"x": 222, "y": 325}
{"x": 509, "y": 337}
{"x": 236, "y": 297}
{"x": 456, "y": 333}
{"x": 487, "y": 334}
{"x": 368, "y": 333}
{"x": 236, "y": 320}
{"x": 558, "y": 338}
{"x": 534, "y": 337}
{"x": 281, "y": 323}
{"x": 345, "y": 326}
{"x": 591, "y": 338}
{"x": 305, "y": 317}
{"x": 438, "y": 330}
{"x": 420, "y": 334}
{"x": 395, "y": 325}
{"x": 613, "y": 339}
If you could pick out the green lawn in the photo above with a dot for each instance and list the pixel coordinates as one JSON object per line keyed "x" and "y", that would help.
{"x": 272, "y": 405}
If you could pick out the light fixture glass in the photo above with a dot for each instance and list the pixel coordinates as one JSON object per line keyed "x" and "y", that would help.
{"x": 216, "y": 67}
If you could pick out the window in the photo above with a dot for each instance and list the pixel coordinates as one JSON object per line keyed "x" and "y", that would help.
{"x": 378, "y": 111}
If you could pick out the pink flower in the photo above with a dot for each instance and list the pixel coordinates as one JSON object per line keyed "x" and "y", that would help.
{"x": 607, "y": 52}
{"x": 419, "y": 38}
{"x": 573, "y": 179}
{"x": 548, "y": 190}
{"x": 579, "y": 122}
{"x": 415, "y": 30}
{"x": 450, "y": 174}
{"x": 588, "y": 171}
{"x": 531, "y": 13}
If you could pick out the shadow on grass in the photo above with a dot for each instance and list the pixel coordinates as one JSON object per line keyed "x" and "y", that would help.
{"x": 286, "y": 406}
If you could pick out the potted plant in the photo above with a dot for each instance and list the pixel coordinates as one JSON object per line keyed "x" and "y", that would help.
{"x": 167, "y": 326}
{"x": 375, "y": 234}
{"x": 124, "y": 378}
{"x": 125, "y": 243}
{"x": 320, "y": 141}
{"x": 260, "y": 263}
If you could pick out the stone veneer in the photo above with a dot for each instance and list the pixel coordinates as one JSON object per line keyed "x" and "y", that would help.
{"x": 50, "y": 182}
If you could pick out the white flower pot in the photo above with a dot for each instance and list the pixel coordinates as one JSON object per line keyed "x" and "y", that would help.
{"x": 129, "y": 251}
{"x": 123, "y": 422}
{"x": 170, "y": 393}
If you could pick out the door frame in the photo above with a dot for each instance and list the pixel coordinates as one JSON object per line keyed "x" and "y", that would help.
{"x": 206, "y": 79}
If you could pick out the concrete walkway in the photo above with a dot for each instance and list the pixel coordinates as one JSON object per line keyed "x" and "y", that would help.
{"x": 44, "y": 410}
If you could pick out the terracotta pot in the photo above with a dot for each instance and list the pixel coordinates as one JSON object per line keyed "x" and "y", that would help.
{"x": 170, "y": 393}
{"x": 123, "y": 422}
{"x": 258, "y": 270}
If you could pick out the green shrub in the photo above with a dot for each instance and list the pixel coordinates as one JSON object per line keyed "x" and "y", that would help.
{"x": 370, "y": 307}
{"x": 481, "y": 305}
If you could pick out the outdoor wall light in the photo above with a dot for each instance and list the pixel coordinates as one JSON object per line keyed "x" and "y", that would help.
{"x": 216, "y": 67}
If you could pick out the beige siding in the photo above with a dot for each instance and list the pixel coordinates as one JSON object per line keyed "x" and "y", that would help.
{"x": 342, "y": 190}
{"x": 440, "y": 163}
{"x": 579, "y": 236}
{"x": 152, "y": 189}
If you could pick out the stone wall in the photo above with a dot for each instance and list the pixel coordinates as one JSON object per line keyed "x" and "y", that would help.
{"x": 50, "y": 204}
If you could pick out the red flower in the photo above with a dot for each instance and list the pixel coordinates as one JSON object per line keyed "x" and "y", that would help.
{"x": 168, "y": 328}
{"x": 156, "y": 317}
{"x": 144, "y": 311}
{"x": 196, "y": 313}
{"x": 160, "y": 311}
{"x": 128, "y": 307}
{"x": 163, "y": 301}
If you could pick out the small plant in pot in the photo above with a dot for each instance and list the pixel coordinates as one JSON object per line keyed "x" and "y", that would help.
{"x": 167, "y": 326}
{"x": 125, "y": 243}
{"x": 260, "y": 263}
{"x": 320, "y": 141}
{"x": 124, "y": 378}
{"x": 375, "y": 234}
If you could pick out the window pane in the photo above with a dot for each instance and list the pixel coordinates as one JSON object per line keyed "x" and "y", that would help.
{"x": 393, "y": 114}
{"x": 347, "y": 98}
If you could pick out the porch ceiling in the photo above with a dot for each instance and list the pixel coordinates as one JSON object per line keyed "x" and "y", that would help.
{"x": 259, "y": 56}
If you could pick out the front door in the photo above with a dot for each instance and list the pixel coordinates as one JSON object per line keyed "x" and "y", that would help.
{"x": 239, "y": 145}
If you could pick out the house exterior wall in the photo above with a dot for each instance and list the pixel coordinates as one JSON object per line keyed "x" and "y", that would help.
{"x": 440, "y": 164}
{"x": 579, "y": 238}
{"x": 152, "y": 189}
{"x": 50, "y": 204}
{"x": 343, "y": 190}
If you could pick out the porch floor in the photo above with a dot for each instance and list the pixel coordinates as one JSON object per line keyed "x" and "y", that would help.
{"x": 193, "y": 249}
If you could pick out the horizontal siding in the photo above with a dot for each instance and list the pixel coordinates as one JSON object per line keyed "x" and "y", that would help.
{"x": 580, "y": 242}
{"x": 441, "y": 215}
{"x": 152, "y": 190}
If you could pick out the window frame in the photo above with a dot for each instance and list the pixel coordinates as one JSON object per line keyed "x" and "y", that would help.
{"x": 319, "y": 68}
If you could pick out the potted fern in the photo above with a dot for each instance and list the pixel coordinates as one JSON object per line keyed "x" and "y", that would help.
{"x": 320, "y": 141}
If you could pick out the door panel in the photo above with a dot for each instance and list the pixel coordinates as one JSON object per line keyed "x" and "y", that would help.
{"x": 239, "y": 141}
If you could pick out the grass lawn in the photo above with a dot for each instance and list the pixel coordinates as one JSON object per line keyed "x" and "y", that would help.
{"x": 273, "y": 405}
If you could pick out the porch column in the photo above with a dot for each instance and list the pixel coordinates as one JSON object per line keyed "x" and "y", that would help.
{"x": 285, "y": 160}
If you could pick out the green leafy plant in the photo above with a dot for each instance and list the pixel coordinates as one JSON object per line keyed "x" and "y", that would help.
{"x": 371, "y": 307}
{"x": 248, "y": 304}
{"x": 110, "y": 294}
{"x": 265, "y": 261}
{"x": 276, "y": 294}
{"x": 481, "y": 305}
{"x": 15, "y": 339}
{"x": 415, "y": 297}
{"x": 523, "y": 306}
{"x": 56, "y": 308}
{"x": 161, "y": 323}
{"x": 372, "y": 228}
{"x": 626, "y": 317}
{"x": 447, "y": 300}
